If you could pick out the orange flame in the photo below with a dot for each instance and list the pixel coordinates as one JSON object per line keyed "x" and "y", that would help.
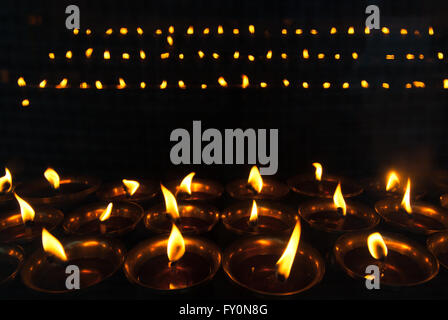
{"x": 107, "y": 212}
{"x": 255, "y": 179}
{"x": 254, "y": 213}
{"x": 131, "y": 186}
{"x": 185, "y": 185}
{"x": 338, "y": 199}
{"x": 6, "y": 179}
{"x": 62, "y": 84}
{"x": 318, "y": 172}
{"x": 245, "y": 83}
{"x": 52, "y": 177}
{"x": 392, "y": 180}
{"x": 377, "y": 246}
{"x": 25, "y": 209}
{"x": 21, "y": 82}
{"x": 406, "y": 202}
{"x": 222, "y": 82}
{"x": 122, "y": 83}
{"x": 176, "y": 245}
{"x": 170, "y": 203}
{"x": 284, "y": 264}
{"x": 52, "y": 245}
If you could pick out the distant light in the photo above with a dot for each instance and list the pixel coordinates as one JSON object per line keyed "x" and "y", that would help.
{"x": 299, "y": 31}
{"x": 354, "y": 55}
{"x": 164, "y": 55}
{"x": 190, "y": 30}
{"x": 139, "y": 31}
{"x": 181, "y": 84}
{"x": 42, "y": 84}
{"x": 345, "y": 85}
{"x": 158, "y": 31}
{"x": 333, "y": 30}
{"x": 142, "y": 85}
{"x": 251, "y": 58}
{"x": 385, "y": 30}
{"x": 236, "y": 55}
{"x": 403, "y": 31}
{"x": 215, "y": 55}
{"x": 305, "y": 54}
{"x": 181, "y": 56}
{"x": 171, "y": 29}
{"x": 109, "y": 31}
{"x": 236, "y": 31}
{"x": 367, "y": 30}
{"x": 75, "y": 31}
{"x": 123, "y": 31}
{"x": 106, "y": 55}
{"x": 25, "y": 103}
{"x": 431, "y": 31}
{"x": 385, "y": 85}
{"x": 284, "y": 31}
{"x": 220, "y": 30}
{"x": 326, "y": 85}
{"x": 125, "y": 56}
{"x": 88, "y": 32}
{"x": 51, "y": 55}
{"x": 284, "y": 56}
{"x": 206, "y": 31}
{"x": 251, "y": 29}
{"x": 163, "y": 85}
{"x": 201, "y": 54}
{"x": 305, "y": 85}
{"x": 440, "y": 55}
{"x": 89, "y": 52}
{"x": 69, "y": 54}
{"x": 263, "y": 84}
{"x": 269, "y": 55}
{"x": 203, "y": 86}
{"x": 142, "y": 55}
{"x": 337, "y": 56}
{"x": 390, "y": 57}
{"x": 351, "y": 30}
{"x": 321, "y": 56}
{"x": 410, "y": 56}
{"x": 314, "y": 31}
{"x": 285, "y": 82}
{"x": 364, "y": 84}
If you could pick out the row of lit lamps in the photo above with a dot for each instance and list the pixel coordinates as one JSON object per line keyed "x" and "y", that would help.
{"x": 236, "y": 55}
{"x": 251, "y": 28}
{"x": 222, "y": 82}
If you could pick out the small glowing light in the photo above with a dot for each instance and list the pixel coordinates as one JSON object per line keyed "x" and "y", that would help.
{"x": 286, "y": 261}
{"x": 158, "y": 32}
{"x": 109, "y": 31}
{"x": 42, "y": 84}
{"x": 236, "y": 31}
{"x": 206, "y": 31}
{"x": 163, "y": 85}
{"x": 445, "y": 83}
{"x": 440, "y": 55}
{"x": 417, "y": 33}
{"x": 354, "y": 55}
{"x": 251, "y": 29}
{"x": 299, "y": 31}
{"x": 284, "y": 56}
{"x": 170, "y": 40}
{"x": 21, "y": 82}
{"x": 142, "y": 55}
{"x": 171, "y": 29}
{"x": 367, "y": 30}
{"x": 305, "y": 54}
{"x": 385, "y": 85}
{"x": 254, "y": 213}
{"x": 351, "y": 30}
{"x": 376, "y": 245}
{"x": 345, "y": 85}
{"x": 51, "y": 55}
{"x": 181, "y": 56}
{"x": 181, "y": 84}
{"x": 245, "y": 82}
{"x": 6, "y": 180}
{"x": 320, "y": 56}
{"x": 164, "y": 55}
{"x": 333, "y": 30}
{"x": 88, "y": 32}
{"x": 176, "y": 245}
{"x": 142, "y": 85}
{"x": 125, "y": 56}
{"x": 69, "y": 54}
{"x": 124, "y": 31}
{"x": 27, "y": 212}
{"x": 421, "y": 56}
{"x": 215, "y": 55}
{"x": 305, "y": 85}
{"x": 139, "y": 31}
{"x": 408, "y": 86}
{"x": 107, "y": 212}
{"x": 385, "y": 30}
{"x": 236, "y": 55}
{"x": 220, "y": 30}
{"x": 83, "y": 85}
{"x": 392, "y": 180}
{"x": 62, "y": 84}
{"x": 410, "y": 56}
{"x": 364, "y": 84}
{"x": 190, "y": 30}
{"x": 201, "y": 54}
{"x": 251, "y": 58}
{"x": 285, "y": 82}
{"x": 75, "y": 31}
{"x": 284, "y": 31}
{"x": 25, "y": 103}
{"x": 52, "y": 245}
{"x": 89, "y": 52}
{"x": 431, "y": 31}
{"x": 403, "y": 31}
{"x": 390, "y": 57}
{"x": 203, "y": 86}
{"x": 255, "y": 179}
{"x": 338, "y": 199}
{"x": 337, "y": 56}
{"x": 418, "y": 84}
{"x": 185, "y": 185}
{"x": 326, "y": 85}
{"x": 170, "y": 203}
{"x": 313, "y": 31}
{"x": 106, "y": 55}
{"x": 263, "y": 84}
{"x": 98, "y": 84}
{"x": 406, "y": 202}
{"x": 269, "y": 55}
{"x": 121, "y": 83}
{"x": 222, "y": 82}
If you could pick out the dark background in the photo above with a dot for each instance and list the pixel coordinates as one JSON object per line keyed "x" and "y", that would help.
{"x": 110, "y": 133}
